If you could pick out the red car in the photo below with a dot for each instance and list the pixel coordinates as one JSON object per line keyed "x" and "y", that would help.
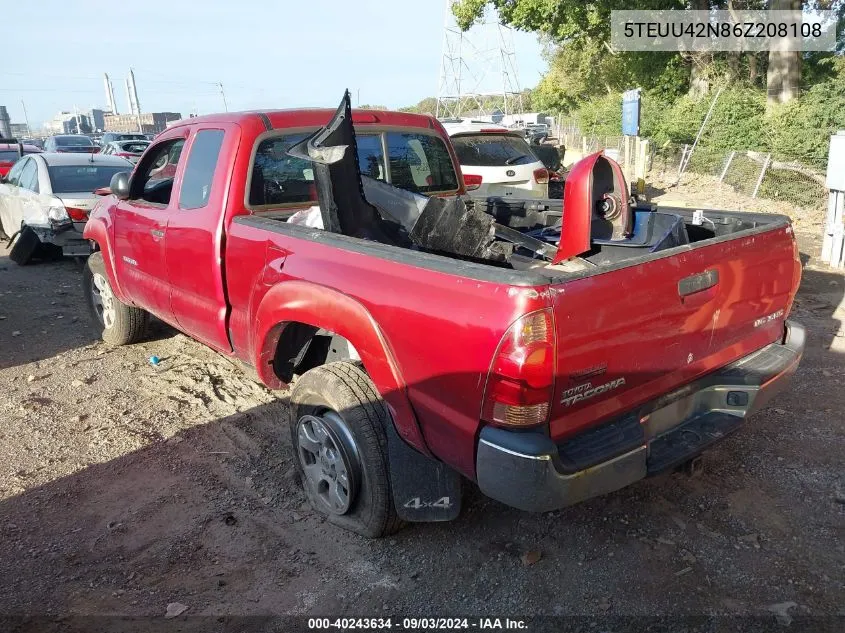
{"x": 10, "y": 151}
{"x": 431, "y": 343}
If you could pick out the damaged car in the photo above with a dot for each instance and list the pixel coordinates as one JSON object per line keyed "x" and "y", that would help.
{"x": 45, "y": 200}
{"x": 549, "y": 355}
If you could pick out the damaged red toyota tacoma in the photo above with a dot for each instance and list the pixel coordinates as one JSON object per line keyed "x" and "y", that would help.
{"x": 550, "y": 352}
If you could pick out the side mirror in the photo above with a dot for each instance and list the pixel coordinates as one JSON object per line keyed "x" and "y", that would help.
{"x": 119, "y": 185}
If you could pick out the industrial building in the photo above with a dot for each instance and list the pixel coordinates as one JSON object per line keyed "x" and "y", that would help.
{"x": 145, "y": 122}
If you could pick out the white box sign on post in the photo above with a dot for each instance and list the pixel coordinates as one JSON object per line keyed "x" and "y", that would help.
{"x": 833, "y": 243}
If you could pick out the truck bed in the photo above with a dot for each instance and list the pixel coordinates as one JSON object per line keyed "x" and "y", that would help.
{"x": 624, "y": 320}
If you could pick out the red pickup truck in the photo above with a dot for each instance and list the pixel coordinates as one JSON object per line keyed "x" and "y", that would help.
{"x": 548, "y": 363}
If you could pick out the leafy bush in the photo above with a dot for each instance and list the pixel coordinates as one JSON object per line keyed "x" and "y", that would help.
{"x": 801, "y": 130}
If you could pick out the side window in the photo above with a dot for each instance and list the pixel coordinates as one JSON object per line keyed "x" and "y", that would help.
{"x": 199, "y": 170}
{"x": 278, "y": 178}
{"x": 29, "y": 176}
{"x": 14, "y": 176}
{"x": 370, "y": 156}
{"x": 153, "y": 182}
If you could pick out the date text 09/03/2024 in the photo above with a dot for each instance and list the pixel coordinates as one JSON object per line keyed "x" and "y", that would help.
{"x": 416, "y": 624}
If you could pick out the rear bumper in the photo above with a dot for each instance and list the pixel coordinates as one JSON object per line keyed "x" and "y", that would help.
{"x": 68, "y": 237}
{"x": 527, "y": 470}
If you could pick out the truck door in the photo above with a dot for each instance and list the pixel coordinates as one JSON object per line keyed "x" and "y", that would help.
{"x": 141, "y": 225}
{"x": 195, "y": 234}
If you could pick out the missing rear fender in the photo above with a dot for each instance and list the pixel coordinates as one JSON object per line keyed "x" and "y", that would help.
{"x": 302, "y": 347}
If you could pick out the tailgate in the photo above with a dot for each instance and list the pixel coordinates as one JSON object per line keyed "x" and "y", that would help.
{"x": 629, "y": 335}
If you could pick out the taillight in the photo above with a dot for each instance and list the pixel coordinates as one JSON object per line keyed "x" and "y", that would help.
{"x": 472, "y": 182}
{"x": 77, "y": 215}
{"x": 541, "y": 176}
{"x": 521, "y": 380}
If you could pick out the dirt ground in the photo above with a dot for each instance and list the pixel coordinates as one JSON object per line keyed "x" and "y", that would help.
{"x": 125, "y": 487}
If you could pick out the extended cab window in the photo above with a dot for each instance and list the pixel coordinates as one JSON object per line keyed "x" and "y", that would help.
{"x": 278, "y": 178}
{"x": 154, "y": 181}
{"x": 199, "y": 170}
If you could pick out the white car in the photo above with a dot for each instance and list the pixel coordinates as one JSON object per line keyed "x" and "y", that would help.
{"x": 497, "y": 161}
{"x": 45, "y": 200}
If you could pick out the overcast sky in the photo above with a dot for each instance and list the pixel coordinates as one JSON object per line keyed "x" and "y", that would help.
{"x": 266, "y": 54}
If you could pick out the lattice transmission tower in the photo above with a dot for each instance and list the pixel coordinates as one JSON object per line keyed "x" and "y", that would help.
{"x": 478, "y": 75}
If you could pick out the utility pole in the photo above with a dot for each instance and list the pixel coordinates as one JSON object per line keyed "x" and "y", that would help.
{"x": 26, "y": 118}
{"x": 223, "y": 94}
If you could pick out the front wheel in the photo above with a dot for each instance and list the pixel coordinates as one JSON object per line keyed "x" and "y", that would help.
{"x": 119, "y": 324}
{"x": 338, "y": 432}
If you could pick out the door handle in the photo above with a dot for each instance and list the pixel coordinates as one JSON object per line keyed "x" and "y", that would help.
{"x": 697, "y": 283}
{"x": 157, "y": 234}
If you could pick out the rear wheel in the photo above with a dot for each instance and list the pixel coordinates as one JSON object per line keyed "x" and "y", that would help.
{"x": 337, "y": 429}
{"x": 119, "y": 324}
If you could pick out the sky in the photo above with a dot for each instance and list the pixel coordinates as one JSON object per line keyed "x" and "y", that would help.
{"x": 266, "y": 54}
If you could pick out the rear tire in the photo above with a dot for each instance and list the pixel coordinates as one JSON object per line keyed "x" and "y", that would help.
{"x": 25, "y": 246}
{"x": 118, "y": 323}
{"x": 338, "y": 433}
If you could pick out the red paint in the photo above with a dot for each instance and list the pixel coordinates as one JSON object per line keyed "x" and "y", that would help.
{"x": 428, "y": 339}
{"x": 578, "y": 205}
{"x": 6, "y": 165}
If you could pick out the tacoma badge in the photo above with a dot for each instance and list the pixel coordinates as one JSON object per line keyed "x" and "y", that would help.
{"x": 587, "y": 391}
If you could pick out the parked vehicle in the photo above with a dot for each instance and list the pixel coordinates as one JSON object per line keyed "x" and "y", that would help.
{"x": 432, "y": 343}
{"x": 552, "y": 158}
{"x": 71, "y": 144}
{"x": 111, "y": 137}
{"x": 45, "y": 201}
{"x": 497, "y": 161}
{"x": 11, "y": 150}
{"x": 130, "y": 150}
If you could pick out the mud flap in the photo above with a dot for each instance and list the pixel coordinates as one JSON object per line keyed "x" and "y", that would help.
{"x": 424, "y": 489}
{"x": 25, "y": 246}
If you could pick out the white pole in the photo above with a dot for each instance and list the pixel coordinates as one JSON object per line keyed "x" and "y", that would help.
{"x": 701, "y": 129}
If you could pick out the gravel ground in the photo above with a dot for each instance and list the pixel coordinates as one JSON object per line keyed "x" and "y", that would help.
{"x": 126, "y": 487}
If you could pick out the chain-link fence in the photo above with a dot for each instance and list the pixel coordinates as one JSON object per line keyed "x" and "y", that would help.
{"x": 753, "y": 175}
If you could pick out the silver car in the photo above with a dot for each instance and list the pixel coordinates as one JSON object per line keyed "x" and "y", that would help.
{"x": 130, "y": 150}
{"x": 45, "y": 200}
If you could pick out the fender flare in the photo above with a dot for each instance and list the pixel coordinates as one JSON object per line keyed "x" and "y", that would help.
{"x": 96, "y": 231}
{"x": 329, "y": 309}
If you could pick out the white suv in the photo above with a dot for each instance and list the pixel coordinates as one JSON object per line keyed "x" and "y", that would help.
{"x": 497, "y": 161}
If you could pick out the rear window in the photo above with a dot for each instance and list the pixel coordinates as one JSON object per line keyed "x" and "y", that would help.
{"x": 420, "y": 163}
{"x": 130, "y": 137}
{"x": 8, "y": 156}
{"x": 74, "y": 141}
{"x": 492, "y": 150}
{"x": 134, "y": 147}
{"x": 75, "y": 178}
{"x": 417, "y": 162}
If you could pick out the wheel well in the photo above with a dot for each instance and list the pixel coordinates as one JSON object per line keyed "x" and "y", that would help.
{"x": 302, "y": 347}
